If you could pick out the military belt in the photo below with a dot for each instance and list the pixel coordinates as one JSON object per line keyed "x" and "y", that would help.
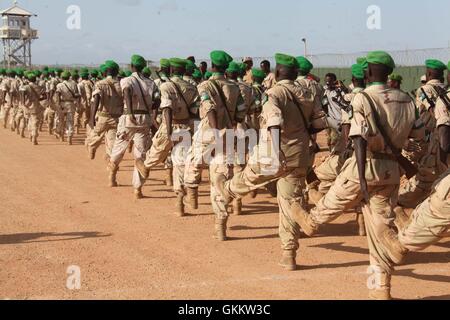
{"x": 381, "y": 156}
{"x": 186, "y": 121}
{"x": 137, "y": 112}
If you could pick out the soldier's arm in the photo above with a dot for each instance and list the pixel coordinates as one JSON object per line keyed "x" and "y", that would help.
{"x": 274, "y": 122}
{"x": 167, "y": 99}
{"x": 208, "y": 106}
{"x": 360, "y": 130}
{"x": 94, "y": 108}
{"x": 127, "y": 96}
{"x": 444, "y": 142}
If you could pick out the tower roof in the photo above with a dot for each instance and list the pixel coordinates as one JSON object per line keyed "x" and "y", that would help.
{"x": 15, "y": 10}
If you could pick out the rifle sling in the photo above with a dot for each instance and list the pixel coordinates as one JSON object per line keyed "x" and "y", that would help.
{"x": 142, "y": 94}
{"x": 223, "y": 100}
{"x": 377, "y": 119}
{"x": 71, "y": 92}
{"x": 291, "y": 97}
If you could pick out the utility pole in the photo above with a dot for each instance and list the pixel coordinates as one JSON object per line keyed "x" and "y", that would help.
{"x": 306, "y": 47}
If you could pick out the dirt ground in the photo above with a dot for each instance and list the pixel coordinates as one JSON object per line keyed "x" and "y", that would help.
{"x": 56, "y": 211}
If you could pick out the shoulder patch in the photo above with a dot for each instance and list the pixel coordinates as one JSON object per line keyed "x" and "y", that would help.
{"x": 204, "y": 96}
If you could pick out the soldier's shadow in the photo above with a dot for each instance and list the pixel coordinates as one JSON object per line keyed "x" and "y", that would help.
{"x": 24, "y": 238}
{"x": 425, "y": 277}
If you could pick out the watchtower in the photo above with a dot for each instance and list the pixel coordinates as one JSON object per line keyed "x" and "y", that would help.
{"x": 17, "y": 35}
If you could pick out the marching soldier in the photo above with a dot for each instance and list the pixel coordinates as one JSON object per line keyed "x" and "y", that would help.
{"x": 425, "y": 152}
{"x": 53, "y": 108}
{"x": 107, "y": 108}
{"x": 382, "y": 121}
{"x": 31, "y": 97}
{"x": 85, "y": 87}
{"x": 430, "y": 221}
{"x": 282, "y": 155}
{"x": 67, "y": 97}
{"x": 220, "y": 101}
{"x": 178, "y": 97}
{"x": 9, "y": 91}
{"x": 140, "y": 97}
{"x": 329, "y": 170}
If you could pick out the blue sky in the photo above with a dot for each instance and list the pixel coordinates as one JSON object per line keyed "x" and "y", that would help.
{"x": 163, "y": 28}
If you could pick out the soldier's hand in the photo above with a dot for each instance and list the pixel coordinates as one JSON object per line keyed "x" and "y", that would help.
{"x": 283, "y": 161}
{"x": 365, "y": 191}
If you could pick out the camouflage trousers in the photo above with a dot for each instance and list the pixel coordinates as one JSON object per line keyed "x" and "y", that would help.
{"x": 259, "y": 172}
{"x": 141, "y": 136}
{"x": 418, "y": 188}
{"x": 429, "y": 223}
{"x": 105, "y": 128}
{"x": 378, "y": 215}
{"x": 163, "y": 150}
{"x": 79, "y": 117}
{"x": 21, "y": 118}
{"x": 5, "y": 113}
{"x": 12, "y": 118}
{"x": 33, "y": 124}
{"x": 327, "y": 172}
{"x": 49, "y": 117}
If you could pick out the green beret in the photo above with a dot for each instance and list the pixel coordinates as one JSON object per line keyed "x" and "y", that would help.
{"x": 11, "y": 72}
{"x": 363, "y": 62}
{"x": 112, "y": 65}
{"x": 208, "y": 75}
{"x": 197, "y": 74}
{"x": 190, "y": 66}
{"x": 103, "y": 68}
{"x": 304, "y": 64}
{"x": 20, "y": 72}
{"x": 65, "y": 75}
{"x": 258, "y": 73}
{"x": 3, "y": 71}
{"x": 381, "y": 57}
{"x": 164, "y": 63}
{"x": 396, "y": 77}
{"x": 243, "y": 67}
{"x": 45, "y": 73}
{"x": 234, "y": 67}
{"x": 128, "y": 73}
{"x": 286, "y": 60}
{"x": 146, "y": 72}
{"x": 138, "y": 61}
{"x": 122, "y": 74}
{"x": 178, "y": 63}
{"x": 31, "y": 75}
{"x": 45, "y": 68}
{"x": 84, "y": 73}
{"x": 435, "y": 65}
{"x": 59, "y": 70}
{"x": 358, "y": 71}
{"x": 94, "y": 73}
{"x": 37, "y": 73}
{"x": 220, "y": 58}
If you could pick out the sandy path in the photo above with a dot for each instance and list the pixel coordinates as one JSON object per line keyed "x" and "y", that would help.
{"x": 56, "y": 211}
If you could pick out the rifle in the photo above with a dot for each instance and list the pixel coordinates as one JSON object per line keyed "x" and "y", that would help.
{"x": 159, "y": 77}
{"x": 445, "y": 99}
{"x": 407, "y": 166}
{"x": 430, "y": 102}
